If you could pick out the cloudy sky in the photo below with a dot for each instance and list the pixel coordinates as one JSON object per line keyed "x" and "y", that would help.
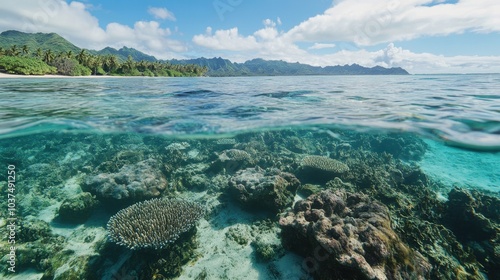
{"x": 422, "y": 36}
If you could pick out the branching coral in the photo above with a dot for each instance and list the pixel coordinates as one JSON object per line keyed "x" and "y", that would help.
{"x": 153, "y": 223}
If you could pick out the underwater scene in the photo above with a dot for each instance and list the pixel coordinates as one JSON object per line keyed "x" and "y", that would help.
{"x": 355, "y": 177}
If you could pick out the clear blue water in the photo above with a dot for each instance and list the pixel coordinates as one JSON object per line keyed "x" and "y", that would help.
{"x": 57, "y": 131}
{"x": 459, "y": 109}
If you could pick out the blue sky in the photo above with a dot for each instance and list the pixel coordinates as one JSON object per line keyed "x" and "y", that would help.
{"x": 422, "y": 36}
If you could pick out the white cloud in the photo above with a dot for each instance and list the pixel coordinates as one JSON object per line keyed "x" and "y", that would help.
{"x": 319, "y": 46}
{"x": 162, "y": 13}
{"x": 228, "y": 39}
{"x": 74, "y": 22}
{"x": 367, "y": 22}
{"x": 348, "y": 23}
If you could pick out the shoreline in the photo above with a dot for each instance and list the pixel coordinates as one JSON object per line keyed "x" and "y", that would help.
{"x": 16, "y": 76}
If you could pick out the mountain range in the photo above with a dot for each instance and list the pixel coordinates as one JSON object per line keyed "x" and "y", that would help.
{"x": 217, "y": 66}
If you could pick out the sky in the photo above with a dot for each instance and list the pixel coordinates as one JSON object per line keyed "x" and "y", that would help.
{"x": 422, "y": 36}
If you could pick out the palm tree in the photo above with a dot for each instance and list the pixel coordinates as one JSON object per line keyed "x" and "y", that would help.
{"x": 48, "y": 56}
{"x": 2, "y": 51}
{"x": 39, "y": 53}
{"x": 141, "y": 65}
{"x": 25, "y": 50}
{"x": 129, "y": 64}
{"x": 110, "y": 63}
{"x": 113, "y": 63}
{"x": 94, "y": 63}
{"x": 69, "y": 54}
{"x": 82, "y": 57}
{"x": 14, "y": 51}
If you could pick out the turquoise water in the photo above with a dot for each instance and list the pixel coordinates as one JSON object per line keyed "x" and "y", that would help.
{"x": 426, "y": 147}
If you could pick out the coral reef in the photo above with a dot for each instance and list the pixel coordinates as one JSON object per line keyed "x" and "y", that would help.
{"x": 406, "y": 228}
{"x": 320, "y": 169}
{"x": 77, "y": 209}
{"x": 167, "y": 263}
{"x": 153, "y": 223}
{"x": 349, "y": 236}
{"x": 405, "y": 147}
{"x": 261, "y": 189}
{"x": 36, "y": 245}
{"x": 231, "y": 161}
{"x": 134, "y": 182}
{"x": 474, "y": 218}
{"x": 325, "y": 164}
{"x": 226, "y": 142}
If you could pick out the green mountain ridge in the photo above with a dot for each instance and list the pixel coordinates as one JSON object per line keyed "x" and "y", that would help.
{"x": 33, "y": 41}
{"x": 57, "y": 44}
{"x": 216, "y": 66}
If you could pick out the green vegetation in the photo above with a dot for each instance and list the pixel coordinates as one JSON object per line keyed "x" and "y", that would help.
{"x": 15, "y": 60}
{"x": 34, "y": 41}
{"x": 39, "y": 54}
{"x": 260, "y": 67}
{"x": 71, "y": 60}
{"x": 25, "y": 66}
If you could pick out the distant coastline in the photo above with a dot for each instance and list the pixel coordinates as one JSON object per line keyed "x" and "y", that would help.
{"x": 16, "y": 76}
{"x": 52, "y": 54}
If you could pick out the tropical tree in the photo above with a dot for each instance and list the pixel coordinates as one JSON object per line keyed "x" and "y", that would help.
{"x": 2, "y": 51}
{"x": 69, "y": 54}
{"x": 94, "y": 62}
{"x": 39, "y": 53}
{"x": 129, "y": 64}
{"x": 14, "y": 51}
{"x": 25, "y": 50}
{"x": 110, "y": 63}
{"x": 82, "y": 57}
{"x": 48, "y": 56}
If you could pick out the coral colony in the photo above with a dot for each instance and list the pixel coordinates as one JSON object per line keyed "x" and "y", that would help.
{"x": 153, "y": 223}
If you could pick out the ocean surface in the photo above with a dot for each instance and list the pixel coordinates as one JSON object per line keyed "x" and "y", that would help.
{"x": 419, "y": 144}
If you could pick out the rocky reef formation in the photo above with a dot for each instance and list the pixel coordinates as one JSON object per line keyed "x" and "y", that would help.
{"x": 230, "y": 161}
{"x": 373, "y": 213}
{"x": 474, "y": 218}
{"x": 269, "y": 189}
{"x": 345, "y": 235}
{"x": 153, "y": 223}
{"x": 77, "y": 209}
{"x": 133, "y": 182}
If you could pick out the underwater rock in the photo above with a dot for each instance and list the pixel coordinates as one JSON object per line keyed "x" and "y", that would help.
{"x": 401, "y": 146}
{"x": 309, "y": 189}
{"x": 77, "y": 209}
{"x": 230, "y": 161}
{"x": 177, "y": 146}
{"x": 35, "y": 246}
{"x": 465, "y": 221}
{"x": 473, "y": 218}
{"x": 191, "y": 177}
{"x": 167, "y": 263}
{"x": 320, "y": 169}
{"x": 338, "y": 184}
{"x": 133, "y": 182}
{"x": 450, "y": 260}
{"x": 261, "y": 189}
{"x": 33, "y": 230}
{"x": 346, "y": 235}
{"x": 153, "y": 223}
